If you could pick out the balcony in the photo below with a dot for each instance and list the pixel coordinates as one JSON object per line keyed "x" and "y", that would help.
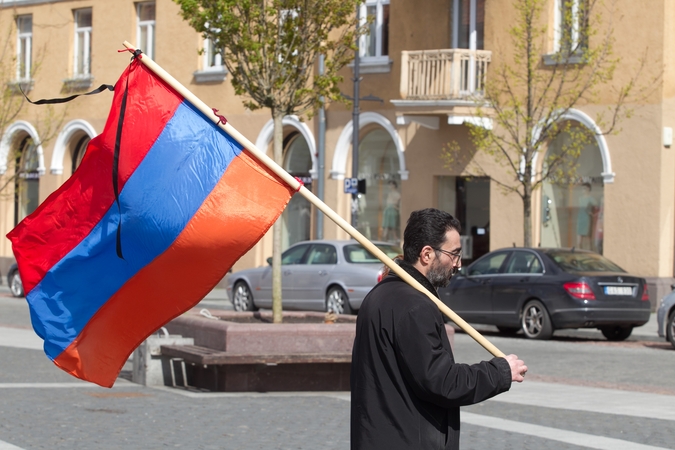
{"x": 445, "y": 74}
{"x": 445, "y": 82}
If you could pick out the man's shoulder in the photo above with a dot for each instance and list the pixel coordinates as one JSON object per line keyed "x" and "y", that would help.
{"x": 396, "y": 295}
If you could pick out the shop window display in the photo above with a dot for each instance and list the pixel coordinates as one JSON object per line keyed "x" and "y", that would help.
{"x": 379, "y": 208}
{"x": 572, "y": 205}
{"x": 296, "y": 219}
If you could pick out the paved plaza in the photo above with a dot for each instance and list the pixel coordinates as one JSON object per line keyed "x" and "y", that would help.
{"x": 579, "y": 394}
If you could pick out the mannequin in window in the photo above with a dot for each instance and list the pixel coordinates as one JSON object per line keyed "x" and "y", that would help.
{"x": 391, "y": 221}
{"x": 364, "y": 223}
{"x": 588, "y": 210}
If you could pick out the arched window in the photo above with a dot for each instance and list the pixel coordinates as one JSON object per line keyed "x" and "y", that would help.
{"x": 79, "y": 147}
{"x": 573, "y": 201}
{"x": 379, "y": 208}
{"x": 296, "y": 218}
{"x": 27, "y": 182}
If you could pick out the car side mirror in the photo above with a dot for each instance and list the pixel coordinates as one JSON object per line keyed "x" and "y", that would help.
{"x": 269, "y": 260}
{"x": 672, "y": 286}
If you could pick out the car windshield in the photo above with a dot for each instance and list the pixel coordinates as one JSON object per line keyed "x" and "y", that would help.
{"x": 583, "y": 262}
{"x": 357, "y": 254}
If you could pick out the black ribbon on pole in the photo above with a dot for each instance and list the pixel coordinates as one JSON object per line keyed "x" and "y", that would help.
{"x": 47, "y": 101}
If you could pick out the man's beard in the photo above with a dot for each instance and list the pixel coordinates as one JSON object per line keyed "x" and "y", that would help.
{"x": 439, "y": 275}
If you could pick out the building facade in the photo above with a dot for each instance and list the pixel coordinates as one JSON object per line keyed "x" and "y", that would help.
{"x": 423, "y": 64}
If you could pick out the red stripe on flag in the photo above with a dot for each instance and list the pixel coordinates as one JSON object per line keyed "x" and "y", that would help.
{"x": 70, "y": 213}
{"x": 246, "y": 202}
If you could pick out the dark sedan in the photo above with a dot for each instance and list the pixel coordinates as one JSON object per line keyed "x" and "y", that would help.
{"x": 539, "y": 290}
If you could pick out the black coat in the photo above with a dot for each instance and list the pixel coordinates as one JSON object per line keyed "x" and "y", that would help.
{"x": 406, "y": 388}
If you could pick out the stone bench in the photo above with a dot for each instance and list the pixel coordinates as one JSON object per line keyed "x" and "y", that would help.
{"x": 195, "y": 354}
{"x": 243, "y": 351}
{"x": 216, "y": 370}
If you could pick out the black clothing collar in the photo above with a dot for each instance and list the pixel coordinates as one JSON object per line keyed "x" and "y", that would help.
{"x": 417, "y": 275}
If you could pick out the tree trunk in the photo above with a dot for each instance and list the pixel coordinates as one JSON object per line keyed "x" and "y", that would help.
{"x": 277, "y": 316}
{"x": 527, "y": 215}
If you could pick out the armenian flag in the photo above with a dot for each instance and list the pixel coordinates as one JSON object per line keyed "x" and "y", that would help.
{"x": 190, "y": 202}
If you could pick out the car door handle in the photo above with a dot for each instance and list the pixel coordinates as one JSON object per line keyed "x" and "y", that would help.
{"x": 287, "y": 272}
{"x": 487, "y": 281}
{"x": 523, "y": 280}
{"x": 323, "y": 273}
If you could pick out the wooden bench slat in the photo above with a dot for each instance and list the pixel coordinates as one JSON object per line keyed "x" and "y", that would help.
{"x": 202, "y": 355}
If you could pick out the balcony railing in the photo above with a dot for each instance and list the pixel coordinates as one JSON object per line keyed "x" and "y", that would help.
{"x": 445, "y": 74}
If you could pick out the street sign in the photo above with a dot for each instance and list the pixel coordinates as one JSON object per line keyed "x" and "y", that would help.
{"x": 351, "y": 186}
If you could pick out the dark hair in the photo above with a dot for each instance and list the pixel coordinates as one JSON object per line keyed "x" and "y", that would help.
{"x": 392, "y": 182}
{"x": 588, "y": 185}
{"x": 426, "y": 227}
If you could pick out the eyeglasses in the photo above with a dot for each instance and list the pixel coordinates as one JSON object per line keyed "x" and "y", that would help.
{"x": 456, "y": 256}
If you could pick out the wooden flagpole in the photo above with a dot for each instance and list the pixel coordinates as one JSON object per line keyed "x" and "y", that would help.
{"x": 295, "y": 184}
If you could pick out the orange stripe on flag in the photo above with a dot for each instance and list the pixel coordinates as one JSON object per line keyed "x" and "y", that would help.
{"x": 242, "y": 207}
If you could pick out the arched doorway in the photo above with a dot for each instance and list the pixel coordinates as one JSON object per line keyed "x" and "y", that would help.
{"x": 78, "y": 146}
{"x": 27, "y": 181}
{"x": 379, "y": 208}
{"x": 297, "y": 217}
{"x": 573, "y": 201}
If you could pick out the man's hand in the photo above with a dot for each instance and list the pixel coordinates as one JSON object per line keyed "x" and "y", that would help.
{"x": 518, "y": 368}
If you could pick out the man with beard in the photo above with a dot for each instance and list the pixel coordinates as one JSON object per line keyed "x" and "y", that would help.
{"x": 406, "y": 388}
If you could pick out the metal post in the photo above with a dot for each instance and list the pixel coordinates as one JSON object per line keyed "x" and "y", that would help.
{"x": 355, "y": 128}
{"x": 322, "y": 159}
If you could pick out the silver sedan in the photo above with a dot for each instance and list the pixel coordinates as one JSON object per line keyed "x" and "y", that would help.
{"x": 316, "y": 275}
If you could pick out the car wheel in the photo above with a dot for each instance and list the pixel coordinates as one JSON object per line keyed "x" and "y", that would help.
{"x": 535, "y": 321}
{"x": 337, "y": 301}
{"x": 670, "y": 329}
{"x": 508, "y": 330}
{"x": 616, "y": 333}
{"x": 15, "y": 285}
{"x": 242, "y": 299}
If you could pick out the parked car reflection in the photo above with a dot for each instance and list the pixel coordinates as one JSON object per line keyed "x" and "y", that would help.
{"x": 541, "y": 290}
{"x": 316, "y": 275}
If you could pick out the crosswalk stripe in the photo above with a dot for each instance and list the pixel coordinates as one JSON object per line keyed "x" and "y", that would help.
{"x": 590, "y": 399}
{"x": 555, "y": 434}
{"x": 44, "y": 385}
{"x": 20, "y": 338}
{"x": 7, "y": 446}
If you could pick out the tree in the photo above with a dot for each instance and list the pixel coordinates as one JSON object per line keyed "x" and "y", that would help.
{"x": 528, "y": 96}
{"x": 270, "y": 48}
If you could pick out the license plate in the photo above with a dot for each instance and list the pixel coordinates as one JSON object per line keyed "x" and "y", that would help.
{"x": 618, "y": 290}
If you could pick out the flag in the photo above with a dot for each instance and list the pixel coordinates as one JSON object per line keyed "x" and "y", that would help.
{"x": 192, "y": 201}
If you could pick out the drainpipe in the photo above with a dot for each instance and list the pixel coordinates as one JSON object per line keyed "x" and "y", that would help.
{"x": 355, "y": 128}
{"x": 322, "y": 159}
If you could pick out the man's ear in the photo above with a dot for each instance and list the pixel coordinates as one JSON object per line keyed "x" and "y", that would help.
{"x": 425, "y": 254}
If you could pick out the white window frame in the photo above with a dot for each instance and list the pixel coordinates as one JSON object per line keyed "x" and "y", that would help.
{"x": 25, "y": 59}
{"x": 209, "y": 55}
{"x": 558, "y": 25}
{"x": 149, "y": 46}
{"x": 85, "y": 52}
{"x": 379, "y": 23}
{"x": 473, "y": 38}
{"x": 473, "y": 34}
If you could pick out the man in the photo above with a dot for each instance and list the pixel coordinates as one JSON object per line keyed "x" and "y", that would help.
{"x": 406, "y": 387}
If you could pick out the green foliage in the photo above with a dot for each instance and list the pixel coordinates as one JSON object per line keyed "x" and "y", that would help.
{"x": 270, "y": 47}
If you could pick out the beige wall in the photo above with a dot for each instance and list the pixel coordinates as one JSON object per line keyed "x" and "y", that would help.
{"x": 639, "y": 205}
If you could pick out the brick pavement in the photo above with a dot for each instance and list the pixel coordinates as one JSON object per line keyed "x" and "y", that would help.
{"x": 42, "y": 407}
